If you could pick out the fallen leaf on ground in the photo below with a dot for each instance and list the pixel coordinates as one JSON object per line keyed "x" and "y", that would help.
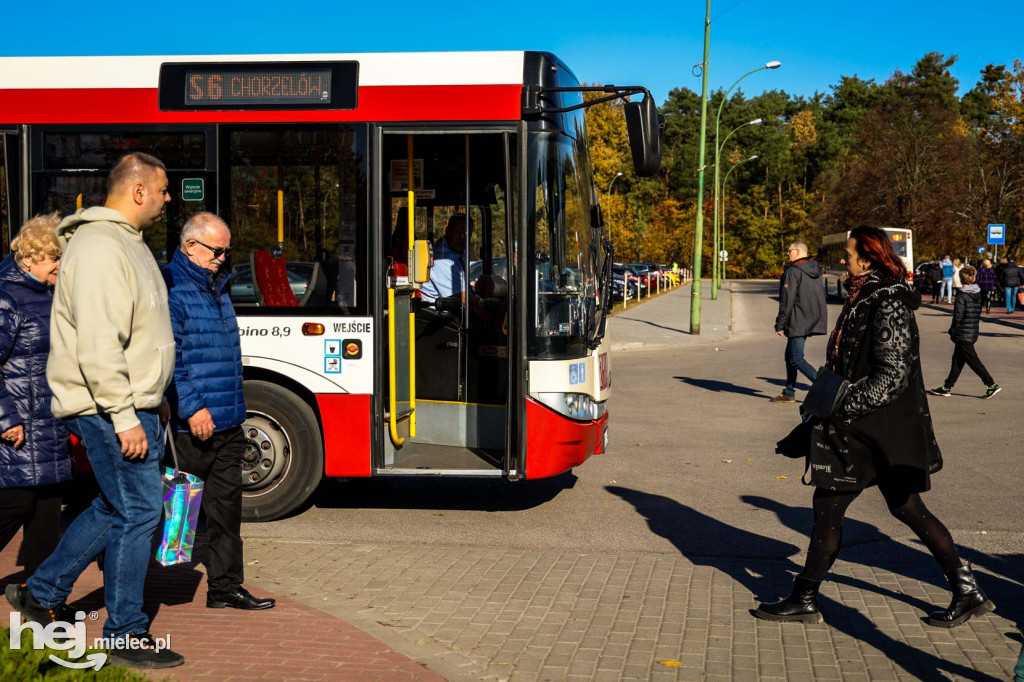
{"x": 671, "y": 664}
{"x": 781, "y": 478}
{"x": 727, "y": 461}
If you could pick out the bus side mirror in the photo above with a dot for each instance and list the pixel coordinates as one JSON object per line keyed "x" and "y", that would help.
{"x": 419, "y": 261}
{"x": 643, "y": 124}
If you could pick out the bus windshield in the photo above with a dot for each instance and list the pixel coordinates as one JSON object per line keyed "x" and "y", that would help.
{"x": 565, "y": 253}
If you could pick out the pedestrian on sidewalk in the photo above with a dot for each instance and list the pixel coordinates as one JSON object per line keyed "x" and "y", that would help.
{"x": 963, "y": 332}
{"x": 207, "y": 400}
{"x": 1013, "y": 278}
{"x": 111, "y": 359}
{"x": 802, "y": 313}
{"x": 880, "y": 434}
{"x": 957, "y": 284}
{"x": 35, "y": 458}
{"x": 947, "y": 279}
{"x": 935, "y": 277}
{"x": 987, "y": 281}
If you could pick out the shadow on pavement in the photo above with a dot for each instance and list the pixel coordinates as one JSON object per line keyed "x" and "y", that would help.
{"x": 782, "y": 383}
{"x": 864, "y": 544}
{"x": 747, "y": 558}
{"x": 625, "y": 316}
{"x": 723, "y": 387}
{"x": 470, "y": 494}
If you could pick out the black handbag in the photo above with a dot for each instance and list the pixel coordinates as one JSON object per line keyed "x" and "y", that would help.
{"x": 826, "y": 395}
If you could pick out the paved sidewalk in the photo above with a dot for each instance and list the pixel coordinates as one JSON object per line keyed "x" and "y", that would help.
{"x": 504, "y": 614}
{"x": 289, "y": 642}
{"x": 664, "y": 321}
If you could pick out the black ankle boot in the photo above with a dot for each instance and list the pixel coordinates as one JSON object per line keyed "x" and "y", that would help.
{"x": 968, "y": 600}
{"x": 801, "y": 605}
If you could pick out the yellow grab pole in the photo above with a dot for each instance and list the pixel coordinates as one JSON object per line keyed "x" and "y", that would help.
{"x": 78, "y": 202}
{"x": 393, "y": 403}
{"x": 280, "y": 216}
{"x": 412, "y": 314}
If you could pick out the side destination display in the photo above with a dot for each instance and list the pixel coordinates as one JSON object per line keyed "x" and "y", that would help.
{"x": 253, "y": 86}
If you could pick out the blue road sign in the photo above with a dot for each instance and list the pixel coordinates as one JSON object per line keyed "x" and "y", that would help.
{"x": 996, "y": 233}
{"x": 981, "y": 249}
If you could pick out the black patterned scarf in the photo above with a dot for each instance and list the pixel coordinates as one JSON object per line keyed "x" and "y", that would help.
{"x": 853, "y": 286}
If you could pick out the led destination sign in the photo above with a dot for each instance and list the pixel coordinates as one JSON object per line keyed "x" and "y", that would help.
{"x": 259, "y": 85}
{"x": 298, "y": 86}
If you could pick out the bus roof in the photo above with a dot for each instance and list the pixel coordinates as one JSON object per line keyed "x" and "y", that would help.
{"x": 407, "y": 86}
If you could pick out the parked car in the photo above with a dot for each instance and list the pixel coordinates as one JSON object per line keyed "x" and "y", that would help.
{"x": 924, "y": 283}
{"x": 643, "y": 272}
{"x": 638, "y": 284}
{"x": 242, "y": 290}
{"x": 619, "y": 279}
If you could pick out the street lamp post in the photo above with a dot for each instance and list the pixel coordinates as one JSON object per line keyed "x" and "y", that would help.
{"x": 716, "y": 277}
{"x": 698, "y": 231}
{"x": 725, "y": 181}
{"x": 718, "y": 150}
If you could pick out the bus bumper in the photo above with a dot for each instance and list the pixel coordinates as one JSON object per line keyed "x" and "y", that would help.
{"x": 555, "y": 444}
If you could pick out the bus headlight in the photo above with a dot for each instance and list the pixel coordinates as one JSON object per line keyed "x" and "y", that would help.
{"x": 579, "y": 406}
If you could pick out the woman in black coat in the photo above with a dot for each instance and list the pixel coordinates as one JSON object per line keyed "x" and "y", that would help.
{"x": 881, "y": 433}
{"x": 34, "y": 454}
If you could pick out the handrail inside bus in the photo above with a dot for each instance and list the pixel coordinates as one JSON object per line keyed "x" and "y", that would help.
{"x": 392, "y": 374}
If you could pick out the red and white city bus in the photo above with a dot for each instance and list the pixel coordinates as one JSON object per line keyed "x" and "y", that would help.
{"x": 335, "y": 172}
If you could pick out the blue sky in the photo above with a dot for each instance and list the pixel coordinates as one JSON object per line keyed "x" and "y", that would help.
{"x": 608, "y": 42}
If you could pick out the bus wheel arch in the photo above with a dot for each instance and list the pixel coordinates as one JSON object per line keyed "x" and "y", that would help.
{"x": 283, "y": 462}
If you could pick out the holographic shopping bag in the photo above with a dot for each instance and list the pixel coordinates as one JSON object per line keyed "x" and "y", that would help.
{"x": 183, "y": 494}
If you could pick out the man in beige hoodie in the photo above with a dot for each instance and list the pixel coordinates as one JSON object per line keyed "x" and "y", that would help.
{"x": 111, "y": 359}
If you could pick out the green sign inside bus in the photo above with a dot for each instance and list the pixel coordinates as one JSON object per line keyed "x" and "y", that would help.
{"x": 192, "y": 189}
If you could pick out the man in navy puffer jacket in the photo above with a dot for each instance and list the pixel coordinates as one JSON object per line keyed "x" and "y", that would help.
{"x": 207, "y": 400}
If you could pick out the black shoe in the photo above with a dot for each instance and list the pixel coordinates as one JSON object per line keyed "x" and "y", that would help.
{"x": 801, "y": 605}
{"x": 22, "y": 601}
{"x": 237, "y": 598}
{"x": 140, "y": 651}
{"x": 941, "y": 390}
{"x": 968, "y": 600}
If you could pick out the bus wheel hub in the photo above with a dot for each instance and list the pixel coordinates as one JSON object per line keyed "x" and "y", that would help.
{"x": 266, "y": 452}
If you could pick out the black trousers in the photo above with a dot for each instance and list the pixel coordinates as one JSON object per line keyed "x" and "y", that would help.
{"x": 218, "y": 462}
{"x": 964, "y": 353}
{"x": 37, "y": 508}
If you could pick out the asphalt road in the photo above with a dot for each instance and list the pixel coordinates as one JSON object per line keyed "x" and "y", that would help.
{"x": 691, "y": 466}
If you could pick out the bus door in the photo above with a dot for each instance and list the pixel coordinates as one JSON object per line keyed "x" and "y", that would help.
{"x": 70, "y": 167}
{"x": 447, "y": 376}
{"x": 10, "y": 215}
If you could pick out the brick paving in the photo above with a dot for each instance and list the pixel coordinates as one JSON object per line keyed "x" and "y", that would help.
{"x": 532, "y": 615}
{"x": 290, "y": 642}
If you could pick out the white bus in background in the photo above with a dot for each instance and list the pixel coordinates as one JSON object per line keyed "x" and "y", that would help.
{"x": 832, "y": 257}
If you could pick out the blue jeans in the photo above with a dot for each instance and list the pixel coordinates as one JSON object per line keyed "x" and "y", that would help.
{"x": 1011, "y": 298}
{"x": 947, "y": 289}
{"x": 1018, "y": 672}
{"x": 121, "y": 520}
{"x": 795, "y": 361}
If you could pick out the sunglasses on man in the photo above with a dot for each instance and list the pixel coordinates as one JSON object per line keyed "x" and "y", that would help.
{"x": 217, "y": 251}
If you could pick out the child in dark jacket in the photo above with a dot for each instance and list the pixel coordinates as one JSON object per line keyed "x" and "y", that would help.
{"x": 963, "y": 332}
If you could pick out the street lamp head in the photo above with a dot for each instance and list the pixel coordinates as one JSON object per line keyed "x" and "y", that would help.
{"x": 752, "y": 157}
{"x": 773, "y": 65}
{"x": 618, "y": 174}
{"x": 755, "y": 122}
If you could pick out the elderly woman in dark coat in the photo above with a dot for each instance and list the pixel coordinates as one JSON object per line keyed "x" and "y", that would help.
{"x": 34, "y": 454}
{"x": 880, "y": 434}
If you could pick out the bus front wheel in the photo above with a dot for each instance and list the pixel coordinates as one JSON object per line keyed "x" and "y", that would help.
{"x": 283, "y": 460}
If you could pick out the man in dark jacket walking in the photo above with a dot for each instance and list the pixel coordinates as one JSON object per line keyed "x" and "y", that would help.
{"x": 207, "y": 400}
{"x": 1013, "y": 279}
{"x": 963, "y": 332}
{"x": 802, "y": 313}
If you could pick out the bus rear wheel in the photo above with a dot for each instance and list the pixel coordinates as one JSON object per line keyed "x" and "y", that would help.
{"x": 283, "y": 461}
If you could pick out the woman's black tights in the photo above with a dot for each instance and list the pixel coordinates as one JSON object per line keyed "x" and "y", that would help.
{"x": 830, "y": 507}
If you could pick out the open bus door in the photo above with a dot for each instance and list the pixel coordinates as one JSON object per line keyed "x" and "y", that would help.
{"x": 447, "y": 376}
